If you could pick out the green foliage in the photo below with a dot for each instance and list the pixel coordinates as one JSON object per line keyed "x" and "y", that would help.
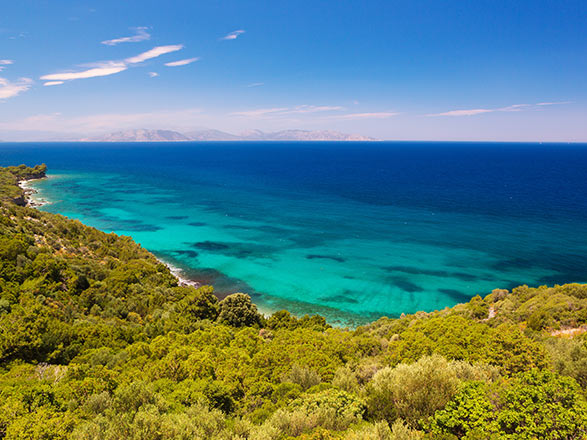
{"x": 469, "y": 411}
{"x": 456, "y": 337}
{"x": 535, "y": 404}
{"x": 412, "y": 392}
{"x": 330, "y": 409}
{"x": 302, "y": 376}
{"x": 237, "y": 310}
{"x": 569, "y": 357}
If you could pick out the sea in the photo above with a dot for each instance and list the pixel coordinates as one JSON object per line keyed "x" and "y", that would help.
{"x": 352, "y": 231}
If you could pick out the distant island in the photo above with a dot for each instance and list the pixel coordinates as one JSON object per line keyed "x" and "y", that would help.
{"x": 145, "y": 135}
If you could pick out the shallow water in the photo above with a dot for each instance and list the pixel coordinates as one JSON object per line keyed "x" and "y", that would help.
{"x": 353, "y": 231}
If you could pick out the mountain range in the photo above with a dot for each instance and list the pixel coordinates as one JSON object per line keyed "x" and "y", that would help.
{"x": 144, "y": 135}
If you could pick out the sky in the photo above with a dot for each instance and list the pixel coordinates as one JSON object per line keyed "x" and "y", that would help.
{"x": 495, "y": 70}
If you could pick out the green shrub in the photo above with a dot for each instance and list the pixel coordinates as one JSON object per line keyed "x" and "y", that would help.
{"x": 412, "y": 392}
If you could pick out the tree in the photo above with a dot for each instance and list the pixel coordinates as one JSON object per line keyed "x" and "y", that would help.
{"x": 237, "y": 310}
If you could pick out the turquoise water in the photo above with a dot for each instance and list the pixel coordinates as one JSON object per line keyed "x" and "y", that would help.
{"x": 353, "y": 231}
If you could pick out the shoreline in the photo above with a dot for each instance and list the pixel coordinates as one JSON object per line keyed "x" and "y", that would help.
{"x": 176, "y": 272}
{"x": 29, "y": 192}
{"x": 182, "y": 281}
{"x": 33, "y": 202}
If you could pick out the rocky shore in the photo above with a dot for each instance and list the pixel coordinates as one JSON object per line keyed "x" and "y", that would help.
{"x": 28, "y": 199}
{"x": 177, "y": 272}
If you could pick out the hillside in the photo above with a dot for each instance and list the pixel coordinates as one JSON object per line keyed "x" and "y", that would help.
{"x": 98, "y": 341}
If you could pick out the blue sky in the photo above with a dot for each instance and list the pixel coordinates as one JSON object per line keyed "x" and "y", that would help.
{"x": 433, "y": 70}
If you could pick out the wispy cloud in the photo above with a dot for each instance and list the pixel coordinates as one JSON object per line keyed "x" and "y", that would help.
{"x": 233, "y": 35}
{"x": 283, "y": 111}
{"x": 259, "y": 84}
{"x": 112, "y": 67}
{"x": 54, "y": 83}
{"x": 509, "y": 108}
{"x": 153, "y": 74}
{"x": 374, "y": 115}
{"x": 97, "y": 123}
{"x": 141, "y": 35}
{"x": 469, "y": 112}
{"x": 20, "y": 35}
{"x": 154, "y": 53}
{"x": 323, "y": 112}
{"x": 513, "y": 108}
{"x": 554, "y": 103}
{"x": 4, "y": 63}
{"x": 182, "y": 62}
{"x": 107, "y": 68}
{"x": 10, "y": 89}
{"x": 262, "y": 112}
{"x": 479, "y": 111}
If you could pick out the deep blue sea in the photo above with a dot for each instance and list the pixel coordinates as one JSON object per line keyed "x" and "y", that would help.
{"x": 353, "y": 231}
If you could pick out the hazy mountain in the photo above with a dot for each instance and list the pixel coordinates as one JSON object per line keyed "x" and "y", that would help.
{"x": 306, "y": 135}
{"x": 141, "y": 135}
{"x": 144, "y": 135}
{"x": 285, "y": 135}
{"x": 211, "y": 135}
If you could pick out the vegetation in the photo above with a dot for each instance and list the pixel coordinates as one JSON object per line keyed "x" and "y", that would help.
{"x": 98, "y": 341}
{"x": 11, "y": 176}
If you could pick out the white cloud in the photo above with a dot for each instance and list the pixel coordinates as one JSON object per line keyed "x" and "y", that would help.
{"x": 53, "y": 83}
{"x": 98, "y": 123}
{"x": 512, "y": 108}
{"x": 314, "y": 109}
{"x": 108, "y": 68}
{"x": 509, "y": 108}
{"x": 153, "y": 74}
{"x": 182, "y": 62}
{"x": 233, "y": 35}
{"x": 283, "y": 111}
{"x": 373, "y": 115}
{"x": 554, "y": 103}
{"x": 112, "y": 67}
{"x": 154, "y": 53}
{"x": 471, "y": 112}
{"x": 259, "y": 84}
{"x": 141, "y": 35}
{"x": 4, "y": 63}
{"x": 479, "y": 111}
{"x": 260, "y": 112}
{"x": 10, "y": 89}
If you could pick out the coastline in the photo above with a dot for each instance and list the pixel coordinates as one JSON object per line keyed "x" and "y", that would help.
{"x": 29, "y": 193}
{"x": 33, "y": 200}
{"x": 176, "y": 272}
{"x": 36, "y": 202}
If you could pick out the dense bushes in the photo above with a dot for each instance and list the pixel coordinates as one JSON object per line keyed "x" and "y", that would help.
{"x": 535, "y": 404}
{"x": 413, "y": 392}
{"x": 98, "y": 341}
